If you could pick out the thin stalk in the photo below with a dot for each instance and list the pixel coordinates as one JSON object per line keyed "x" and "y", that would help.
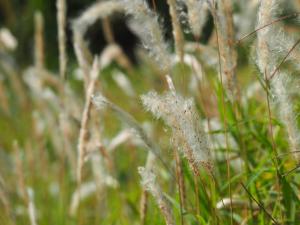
{"x": 260, "y": 205}
{"x": 268, "y": 24}
{"x": 224, "y": 120}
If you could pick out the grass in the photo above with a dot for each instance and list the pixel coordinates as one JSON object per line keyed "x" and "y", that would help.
{"x": 251, "y": 176}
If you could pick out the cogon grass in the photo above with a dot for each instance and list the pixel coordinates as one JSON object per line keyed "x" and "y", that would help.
{"x": 150, "y": 184}
{"x": 267, "y": 61}
{"x": 145, "y": 24}
{"x": 188, "y": 135}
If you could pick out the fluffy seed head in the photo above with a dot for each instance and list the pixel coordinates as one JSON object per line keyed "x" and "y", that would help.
{"x": 145, "y": 24}
{"x": 188, "y": 135}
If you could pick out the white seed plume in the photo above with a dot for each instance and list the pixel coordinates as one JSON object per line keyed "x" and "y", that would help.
{"x": 281, "y": 86}
{"x": 80, "y": 26}
{"x": 188, "y": 135}
{"x": 100, "y": 9}
{"x": 150, "y": 184}
{"x": 267, "y": 61}
{"x": 145, "y": 24}
{"x": 7, "y": 39}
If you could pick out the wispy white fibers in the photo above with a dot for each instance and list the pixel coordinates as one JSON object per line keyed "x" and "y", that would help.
{"x": 281, "y": 88}
{"x": 267, "y": 53}
{"x": 100, "y": 9}
{"x": 80, "y": 26}
{"x": 188, "y": 135}
{"x": 150, "y": 184}
{"x": 145, "y": 24}
{"x": 7, "y": 39}
{"x": 265, "y": 62}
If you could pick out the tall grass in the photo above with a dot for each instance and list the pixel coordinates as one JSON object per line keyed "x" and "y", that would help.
{"x": 191, "y": 133}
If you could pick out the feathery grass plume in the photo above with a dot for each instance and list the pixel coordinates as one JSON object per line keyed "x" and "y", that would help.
{"x": 179, "y": 172}
{"x": 26, "y": 193}
{"x": 98, "y": 10}
{"x": 281, "y": 88}
{"x": 150, "y": 184}
{"x": 177, "y": 32}
{"x": 7, "y": 40}
{"x": 197, "y": 15}
{"x": 39, "y": 52}
{"x": 83, "y": 134}
{"x": 61, "y": 23}
{"x": 223, "y": 20}
{"x": 267, "y": 61}
{"x": 144, "y": 196}
{"x": 146, "y": 26}
{"x": 188, "y": 135}
{"x": 80, "y": 26}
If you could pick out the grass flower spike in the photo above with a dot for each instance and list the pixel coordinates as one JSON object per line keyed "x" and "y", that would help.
{"x": 188, "y": 135}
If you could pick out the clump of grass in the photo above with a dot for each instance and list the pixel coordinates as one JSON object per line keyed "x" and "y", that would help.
{"x": 227, "y": 161}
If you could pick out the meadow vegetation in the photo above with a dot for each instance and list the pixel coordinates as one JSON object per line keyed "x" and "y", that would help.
{"x": 187, "y": 133}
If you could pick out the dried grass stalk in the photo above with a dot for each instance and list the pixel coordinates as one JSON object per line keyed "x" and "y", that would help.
{"x": 39, "y": 51}
{"x": 61, "y": 23}
{"x": 177, "y": 32}
{"x": 26, "y": 193}
{"x": 83, "y": 134}
{"x": 150, "y": 184}
{"x": 144, "y": 196}
{"x": 228, "y": 57}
